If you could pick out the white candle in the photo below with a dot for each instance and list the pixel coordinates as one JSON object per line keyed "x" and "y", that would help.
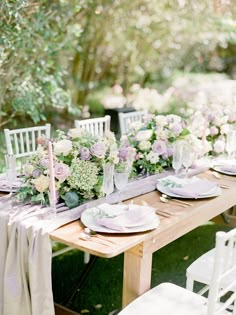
{"x": 52, "y": 188}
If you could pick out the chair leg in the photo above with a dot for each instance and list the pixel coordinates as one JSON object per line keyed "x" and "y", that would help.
{"x": 225, "y": 218}
{"x": 82, "y": 279}
{"x": 86, "y": 257}
{"x": 189, "y": 283}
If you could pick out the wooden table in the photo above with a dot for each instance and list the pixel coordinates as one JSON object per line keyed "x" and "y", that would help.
{"x": 138, "y": 248}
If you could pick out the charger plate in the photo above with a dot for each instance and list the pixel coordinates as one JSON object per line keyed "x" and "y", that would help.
{"x": 164, "y": 184}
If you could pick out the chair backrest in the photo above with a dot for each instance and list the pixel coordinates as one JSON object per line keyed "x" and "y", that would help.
{"x": 95, "y": 126}
{"x": 23, "y": 142}
{"x": 125, "y": 119}
{"x": 224, "y": 273}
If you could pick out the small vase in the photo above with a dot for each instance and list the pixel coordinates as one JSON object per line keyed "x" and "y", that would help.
{"x": 108, "y": 182}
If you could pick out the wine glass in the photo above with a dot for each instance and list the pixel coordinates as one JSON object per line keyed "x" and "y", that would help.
{"x": 11, "y": 174}
{"x": 230, "y": 145}
{"x": 108, "y": 183}
{"x": 121, "y": 176}
{"x": 177, "y": 160}
{"x": 188, "y": 156}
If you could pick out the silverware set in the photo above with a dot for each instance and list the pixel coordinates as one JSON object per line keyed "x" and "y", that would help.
{"x": 88, "y": 235}
{"x": 164, "y": 198}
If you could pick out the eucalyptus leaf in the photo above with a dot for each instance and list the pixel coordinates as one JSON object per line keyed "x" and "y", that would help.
{"x": 71, "y": 199}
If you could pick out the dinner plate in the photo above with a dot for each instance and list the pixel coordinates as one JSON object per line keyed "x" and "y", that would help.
{"x": 163, "y": 188}
{"x": 219, "y": 170}
{"x": 89, "y": 216}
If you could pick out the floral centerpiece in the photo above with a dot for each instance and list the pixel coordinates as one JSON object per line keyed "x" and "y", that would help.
{"x": 78, "y": 166}
{"x": 153, "y": 140}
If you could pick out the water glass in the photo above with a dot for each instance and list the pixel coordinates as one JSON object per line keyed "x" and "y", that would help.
{"x": 121, "y": 177}
{"x": 11, "y": 174}
{"x": 230, "y": 145}
{"x": 188, "y": 156}
{"x": 177, "y": 160}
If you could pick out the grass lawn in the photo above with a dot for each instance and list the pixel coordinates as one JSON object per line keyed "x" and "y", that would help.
{"x": 102, "y": 291}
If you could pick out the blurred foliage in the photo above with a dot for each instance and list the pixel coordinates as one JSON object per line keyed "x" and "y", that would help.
{"x": 54, "y": 53}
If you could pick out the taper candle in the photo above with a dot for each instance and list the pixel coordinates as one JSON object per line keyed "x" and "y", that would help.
{"x": 52, "y": 188}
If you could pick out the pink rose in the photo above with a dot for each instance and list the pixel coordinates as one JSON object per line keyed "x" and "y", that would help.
{"x": 62, "y": 171}
{"x": 41, "y": 140}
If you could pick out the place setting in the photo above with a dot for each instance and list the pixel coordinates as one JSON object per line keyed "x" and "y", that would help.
{"x": 227, "y": 165}
{"x": 120, "y": 217}
{"x": 182, "y": 185}
{"x": 10, "y": 180}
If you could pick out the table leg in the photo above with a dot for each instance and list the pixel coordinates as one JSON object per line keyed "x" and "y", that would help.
{"x": 137, "y": 274}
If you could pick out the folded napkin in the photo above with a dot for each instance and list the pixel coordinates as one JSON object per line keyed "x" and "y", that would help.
{"x": 194, "y": 189}
{"x": 135, "y": 216}
{"x": 228, "y": 168}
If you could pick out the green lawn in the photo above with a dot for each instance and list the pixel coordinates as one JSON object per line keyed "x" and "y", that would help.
{"x": 102, "y": 290}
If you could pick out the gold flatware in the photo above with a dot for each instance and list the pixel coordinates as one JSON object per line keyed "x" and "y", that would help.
{"x": 165, "y": 200}
{"x": 177, "y": 200}
{"x": 221, "y": 176}
{"x": 88, "y": 234}
{"x": 164, "y": 213}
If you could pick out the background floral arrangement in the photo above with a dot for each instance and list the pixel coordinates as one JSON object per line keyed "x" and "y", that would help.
{"x": 153, "y": 141}
{"x": 78, "y": 165}
{"x": 212, "y": 126}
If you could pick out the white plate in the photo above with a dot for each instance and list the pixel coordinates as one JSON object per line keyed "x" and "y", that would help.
{"x": 219, "y": 170}
{"x": 164, "y": 189}
{"x": 88, "y": 218}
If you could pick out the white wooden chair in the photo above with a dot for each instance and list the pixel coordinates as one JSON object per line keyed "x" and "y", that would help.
{"x": 125, "y": 119}
{"x": 95, "y": 126}
{"x": 168, "y": 299}
{"x": 201, "y": 270}
{"x": 23, "y": 142}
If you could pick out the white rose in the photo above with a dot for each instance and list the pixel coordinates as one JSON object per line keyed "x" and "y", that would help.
{"x": 161, "y": 120}
{"x": 145, "y": 145}
{"x": 74, "y": 133}
{"x": 41, "y": 183}
{"x": 162, "y": 134}
{"x": 152, "y": 157}
{"x": 63, "y": 147}
{"x": 144, "y": 135}
{"x": 136, "y": 125}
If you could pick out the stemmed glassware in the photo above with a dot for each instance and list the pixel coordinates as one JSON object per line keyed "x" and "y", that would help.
{"x": 108, "y": 182}
{"x": 121, "y": 176}
{"x": 230, "y": 145}
{"x": 188, "y": 156}
{"x": 11, "y": 174}
{"x": 177, "y": 160}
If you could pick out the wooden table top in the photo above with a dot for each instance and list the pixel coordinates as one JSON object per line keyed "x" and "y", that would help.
{"x": 182, "y": 220}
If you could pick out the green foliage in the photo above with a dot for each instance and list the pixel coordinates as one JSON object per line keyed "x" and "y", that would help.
{"x": 71, "y": 199}
{"x": 32, "y": 74}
